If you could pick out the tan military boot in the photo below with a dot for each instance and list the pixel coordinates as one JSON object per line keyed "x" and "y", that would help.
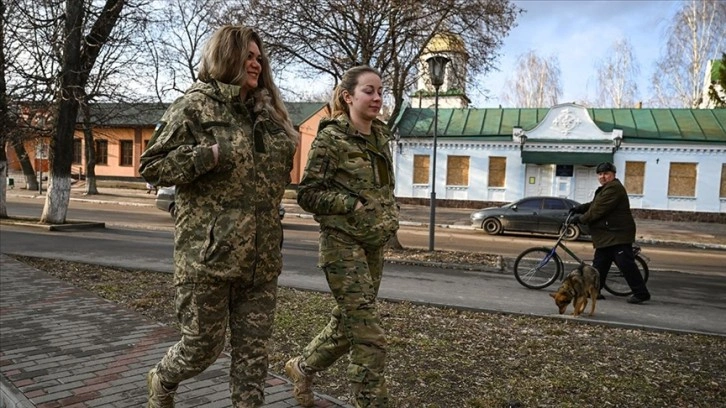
{"x": 303, "y": 383}
{"x": 159, "y": 396}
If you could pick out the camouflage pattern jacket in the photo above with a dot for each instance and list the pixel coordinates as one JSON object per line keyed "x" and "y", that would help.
{"x": 227, "y": 223}
{"x": 345, "y": 167}
{"x": 608, "y": 216}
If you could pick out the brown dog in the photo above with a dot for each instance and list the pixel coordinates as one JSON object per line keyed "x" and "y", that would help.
{"x": 580, "y": 284}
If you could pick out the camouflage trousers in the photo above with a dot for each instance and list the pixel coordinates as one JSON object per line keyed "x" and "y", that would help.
{"x": 204, "y": 310}
{"x": 354, "y": 276}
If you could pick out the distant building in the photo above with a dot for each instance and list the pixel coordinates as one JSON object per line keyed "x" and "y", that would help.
{"x": 452, "y": 94}
{"x": 122, "y": 131}
{"x": 668, "y": 159}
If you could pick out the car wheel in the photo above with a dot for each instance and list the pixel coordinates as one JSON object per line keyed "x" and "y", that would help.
{"x": 572, "y": 233}
{"x": 172, "y": 211}
{"x": 492, "y": 226}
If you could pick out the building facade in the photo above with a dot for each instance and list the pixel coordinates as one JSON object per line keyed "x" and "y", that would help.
{"x": 668, "y": 159}
{"x": 121, "y": 132}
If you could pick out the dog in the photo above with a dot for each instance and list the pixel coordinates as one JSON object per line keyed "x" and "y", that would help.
{"x": 581, "y": 283}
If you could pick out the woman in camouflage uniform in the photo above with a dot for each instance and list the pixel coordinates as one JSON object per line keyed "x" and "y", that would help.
{"x": 348, "y": 185}
{"x": 228, "y": 146}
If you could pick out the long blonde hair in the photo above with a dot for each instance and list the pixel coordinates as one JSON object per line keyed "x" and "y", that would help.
{"x": 348, "y": 82}
{"x": 223, "y": 59}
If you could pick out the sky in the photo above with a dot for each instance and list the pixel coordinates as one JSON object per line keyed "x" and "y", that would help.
{"x": 579, "y": 34}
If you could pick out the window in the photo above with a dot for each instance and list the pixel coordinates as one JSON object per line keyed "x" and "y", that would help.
{"x": 127, "y": 153}
{"x": 634, "y": 177}
{"x": 531, "y": 204}
{"x": 421, "y": 169}
{"x": 497, "y": 171}
{"x": 457, "y": 171}
{"x": 682, "y": 180}
{"x": 555, "y": 204}
{"x": 77, "y": 151}
{"x": 722, "y": 193}
{"x": 101, "y": 151}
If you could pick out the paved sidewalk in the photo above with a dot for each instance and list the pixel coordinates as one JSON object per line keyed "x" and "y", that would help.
{"x": 61, "y": 346}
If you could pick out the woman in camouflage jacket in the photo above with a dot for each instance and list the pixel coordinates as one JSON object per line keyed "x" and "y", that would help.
{"x": 348, "y": 185}
{"x": 228, "y": 146}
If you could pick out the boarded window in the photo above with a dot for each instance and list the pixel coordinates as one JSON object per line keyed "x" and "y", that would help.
{"x": 722, "y": 193}
{"x": 634, "y": 177}
{"x": 77, "y": 151}
{"x": 421, "y": 169}
{"x": 497, "y": 171}
{"x": 101, "y": 151}
{"x": 682, "y": 180}
{"x": 457, "y": 171}
{"x": 127, "y": 153}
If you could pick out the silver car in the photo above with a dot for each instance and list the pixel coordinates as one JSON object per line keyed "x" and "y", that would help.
{"x": 165, "y": 201}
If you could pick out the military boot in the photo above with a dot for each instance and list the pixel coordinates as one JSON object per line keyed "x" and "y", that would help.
{"x": 159, "y": 395}
{"x": 303, "y": 383}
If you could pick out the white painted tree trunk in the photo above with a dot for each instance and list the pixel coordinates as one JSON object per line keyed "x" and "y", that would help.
{"x": 56, "y": 200}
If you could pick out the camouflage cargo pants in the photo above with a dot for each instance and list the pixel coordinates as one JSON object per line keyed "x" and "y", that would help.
{"x": 203, "y": 311}
{"x": 354, "y": 276}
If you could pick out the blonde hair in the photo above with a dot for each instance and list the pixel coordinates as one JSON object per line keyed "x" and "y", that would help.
{"x": 223, "y": 60}
{"x": 348, "y": 82}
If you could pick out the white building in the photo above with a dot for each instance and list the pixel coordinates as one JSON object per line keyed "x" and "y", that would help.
{"x": 668, "y": 159}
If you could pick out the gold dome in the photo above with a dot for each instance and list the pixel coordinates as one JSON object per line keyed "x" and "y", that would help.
{"x": 446, "y": 41}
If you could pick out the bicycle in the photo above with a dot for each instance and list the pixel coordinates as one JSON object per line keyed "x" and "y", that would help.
{"x": 539, "y": 267}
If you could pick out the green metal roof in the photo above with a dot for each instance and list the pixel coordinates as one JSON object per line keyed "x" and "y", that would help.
{"x": 302, "y": 111}
{"x": 148, "y": 114}
{"x": 638, "y": 125}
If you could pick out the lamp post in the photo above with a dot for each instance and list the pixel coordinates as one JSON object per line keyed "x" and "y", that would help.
{"x": 437, "y": 68}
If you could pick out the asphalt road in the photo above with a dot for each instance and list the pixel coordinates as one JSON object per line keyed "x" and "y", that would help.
{"x": 131, "y": 215}
{"x": 681, "y": 302}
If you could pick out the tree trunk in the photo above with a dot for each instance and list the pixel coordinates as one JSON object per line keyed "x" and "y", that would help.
{"x": 394, "y": 243}
{"x": 31, "y": 182}
{"x": 3, "y": 181}
{"x": 90, "y": 151}
{"x": 61, "y": 144}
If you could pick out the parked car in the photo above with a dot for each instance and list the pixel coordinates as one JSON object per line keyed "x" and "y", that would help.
{"x": 165, "y": 201}
{"x": 537, "y": 215}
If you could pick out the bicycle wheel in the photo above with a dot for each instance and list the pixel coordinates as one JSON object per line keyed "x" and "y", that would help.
{"x": 537, "y": 268}
{"x": 616, "y": 283}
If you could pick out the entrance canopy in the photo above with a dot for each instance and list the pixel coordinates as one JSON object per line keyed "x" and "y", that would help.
{"x": 586, "y": 159}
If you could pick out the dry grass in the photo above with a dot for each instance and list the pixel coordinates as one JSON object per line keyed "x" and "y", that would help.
{"x": 449, "y": 358}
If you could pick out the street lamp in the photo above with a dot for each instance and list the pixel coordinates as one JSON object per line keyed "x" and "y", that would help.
{"x": 437, "y": 68}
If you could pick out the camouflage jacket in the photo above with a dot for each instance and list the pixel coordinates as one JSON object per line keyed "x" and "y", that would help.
{"x": 227, "y": 223}
{"x": 345, "y": 167}
{"x": 608, "y": 216}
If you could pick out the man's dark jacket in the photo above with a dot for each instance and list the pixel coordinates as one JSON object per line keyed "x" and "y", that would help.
{"x": 608, "y": 216}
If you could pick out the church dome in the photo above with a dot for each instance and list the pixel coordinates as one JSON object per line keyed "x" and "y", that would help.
{"x": 446, "y": 42}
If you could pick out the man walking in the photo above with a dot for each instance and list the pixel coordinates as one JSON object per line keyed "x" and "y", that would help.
{"x": 612, "y": 228}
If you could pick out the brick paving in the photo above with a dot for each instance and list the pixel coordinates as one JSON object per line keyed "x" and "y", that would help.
{"x": 61, "y": 346}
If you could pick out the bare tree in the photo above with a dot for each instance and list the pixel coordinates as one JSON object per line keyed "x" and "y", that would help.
{"x": 4, "y": 117}
{"x": 536, "y": 82}
{"x": 79, "y": 55}
{"x": 695, "y": 36}
{"x": 174, "y": 42}
{"x": 316, "y": 38}
{"x": 29, "y": 71}
{"x": 617, "y": 85}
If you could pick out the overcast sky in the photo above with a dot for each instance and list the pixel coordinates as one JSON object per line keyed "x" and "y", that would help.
{"x": 579, "y": 34}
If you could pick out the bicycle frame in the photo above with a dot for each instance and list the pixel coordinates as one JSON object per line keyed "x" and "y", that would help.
{"x": 559, "y": 244}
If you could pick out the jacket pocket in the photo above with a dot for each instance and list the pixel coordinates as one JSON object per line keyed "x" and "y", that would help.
{"x": 223, "y": 237}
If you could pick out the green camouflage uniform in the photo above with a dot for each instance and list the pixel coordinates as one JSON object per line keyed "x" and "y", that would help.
{"x": 227, "y": 238}
{"x": 345, "y": 167}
